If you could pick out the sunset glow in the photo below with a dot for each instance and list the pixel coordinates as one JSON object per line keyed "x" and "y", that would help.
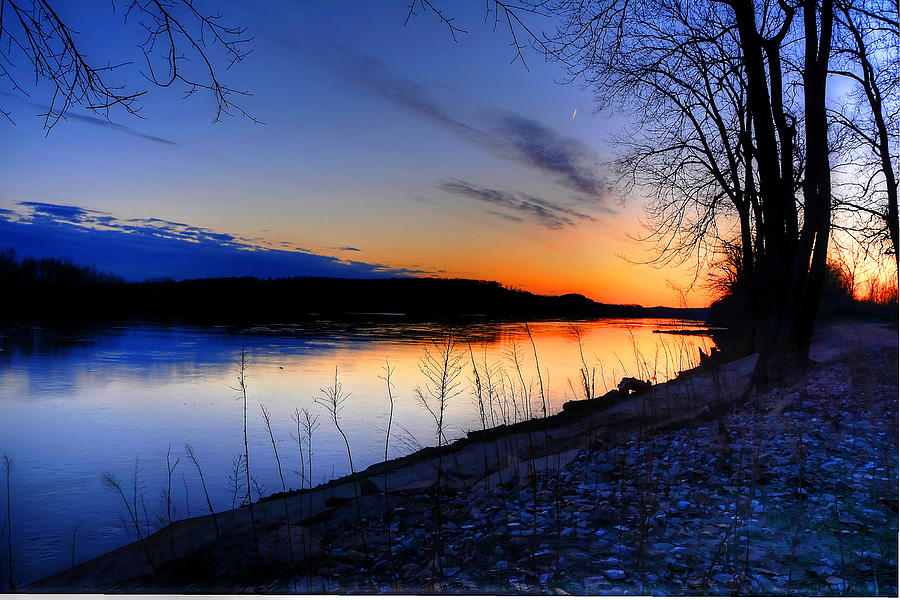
{"x": 429, "y": 158}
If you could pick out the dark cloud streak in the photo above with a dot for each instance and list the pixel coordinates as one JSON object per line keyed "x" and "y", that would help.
{"x": 90, "y": 120}
{"x": 522, "y": 206}
{"x": 505, "y": 134}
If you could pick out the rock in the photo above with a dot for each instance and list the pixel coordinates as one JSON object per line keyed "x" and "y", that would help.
{"x": 614, "y": 574}
{"x": 631, "y": 385}
{"x": 595, "y": 583}
{"x": 408, "y": 570}
{"x": 356, "y": 556}
{"x": 450, "y": 571}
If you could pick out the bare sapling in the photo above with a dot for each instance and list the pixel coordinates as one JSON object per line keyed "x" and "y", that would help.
{"x": 388, "y": 371}
{"x": 515, "y": 357}
{"x": 543, "y": 392}
{"x": 302, "y": 472}
{"x": 478, "y": 392}
{"x": 7, "y": 465}
{"x": 490, "y": 387}
{"x": 475, "y": 382}
{"x": 187, "y": 508}
{"x": 242, "y": 388}
{"x": 295, "y": 417}
{"x": 74, "y": 535}
{"x": 537, "y": 364}
{"x": 189, "y": 450}
{"x": 235, "y": 480}
{"x": 586, "y": 381}
{"x": 511, "y": 389}
{"x": 441, "y": 364}
{"x": 287, "y": 514}
{"x": 167, "y": 495}
{"x": 310, "y": 424}
{"x": 333, "y": 399}
{"x": 111, "y": 482}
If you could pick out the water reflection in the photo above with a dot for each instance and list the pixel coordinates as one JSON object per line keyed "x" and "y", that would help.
{"x": 77, "y": 404}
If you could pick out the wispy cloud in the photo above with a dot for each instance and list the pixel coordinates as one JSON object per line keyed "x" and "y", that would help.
{"x": 152, "y": 247}
{"x": 118, "y": 127}
{"x": 518, "y": 206}
{"x": 91, "y": 120}
{"x": 508, "y": 135}
{"x": 348, "y": 249}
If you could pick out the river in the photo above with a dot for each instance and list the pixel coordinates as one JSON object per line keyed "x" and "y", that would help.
{"x": 114, "y": 400}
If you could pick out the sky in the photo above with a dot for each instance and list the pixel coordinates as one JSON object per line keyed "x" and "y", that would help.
{"x": 384, "y": 148}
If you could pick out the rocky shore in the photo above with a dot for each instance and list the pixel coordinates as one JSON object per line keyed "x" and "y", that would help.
{"x": 694, "y": 487}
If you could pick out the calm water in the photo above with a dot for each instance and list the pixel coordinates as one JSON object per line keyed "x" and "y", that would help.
{"x": 73, "y": 407}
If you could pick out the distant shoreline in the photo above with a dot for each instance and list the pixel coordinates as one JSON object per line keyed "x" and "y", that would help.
{"x": 245, "y": 300}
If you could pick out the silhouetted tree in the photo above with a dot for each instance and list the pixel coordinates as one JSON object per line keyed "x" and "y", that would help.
{"x": 867, "y": 55}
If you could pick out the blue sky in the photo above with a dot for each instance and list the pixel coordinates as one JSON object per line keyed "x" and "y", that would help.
{"x": 385, "y": 148}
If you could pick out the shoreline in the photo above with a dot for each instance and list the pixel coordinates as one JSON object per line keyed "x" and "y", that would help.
{"x": 501, "y": 461}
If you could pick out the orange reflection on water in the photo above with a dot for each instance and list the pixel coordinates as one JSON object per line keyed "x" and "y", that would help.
{"x": 506, "y": 362}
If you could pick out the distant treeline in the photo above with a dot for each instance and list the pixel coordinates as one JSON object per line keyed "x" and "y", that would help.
{"x": 55, "y": 289}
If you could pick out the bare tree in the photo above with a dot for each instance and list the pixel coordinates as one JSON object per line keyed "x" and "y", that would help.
{"x": 867, "y": 55}
{"x": 180, "y": 46}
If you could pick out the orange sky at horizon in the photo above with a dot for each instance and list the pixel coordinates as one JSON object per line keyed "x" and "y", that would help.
{"x": 597, "y": 260}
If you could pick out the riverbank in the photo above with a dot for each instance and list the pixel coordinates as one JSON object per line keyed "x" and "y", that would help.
{"x": 692, "y": 487}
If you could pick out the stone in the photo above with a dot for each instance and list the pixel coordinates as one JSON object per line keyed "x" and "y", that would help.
{"x": 614, "y": 574}
{"x": 595, "y": 583}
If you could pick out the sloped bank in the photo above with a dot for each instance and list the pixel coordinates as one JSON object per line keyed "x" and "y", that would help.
{"x": 677, "y": 490}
